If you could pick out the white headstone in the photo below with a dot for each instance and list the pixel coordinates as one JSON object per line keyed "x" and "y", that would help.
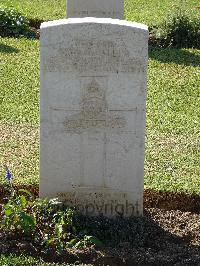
{"x": 93, "y": 99}
{"x": 95, "y": 8}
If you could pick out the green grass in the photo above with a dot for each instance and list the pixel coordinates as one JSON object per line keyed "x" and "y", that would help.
{"x": 148, "y": 12}
{"x": 172, "y": 148}
{"x": 13, "y": 260}
{"x": 154, "y": 11}
{"x": 19, "y": 81}
{"x": 19, "y": 107}
{"x": 39, "y": 9}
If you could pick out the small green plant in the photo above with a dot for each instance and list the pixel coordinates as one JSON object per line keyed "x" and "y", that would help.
{"x": 17, "y": 215}
{"x": 45, "y": 222}
{"x": 62, "y": 229}
{"x": 16, "y": 212}
{"x": 13, "y": 24}
{"x": 179, "y": 30}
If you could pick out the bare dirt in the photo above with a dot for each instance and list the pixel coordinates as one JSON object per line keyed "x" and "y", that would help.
{"x": 169, "y": 235}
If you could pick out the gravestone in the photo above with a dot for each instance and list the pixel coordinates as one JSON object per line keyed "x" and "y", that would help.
{"x": 92, "y": 122}
{"x": 95, "y": 8}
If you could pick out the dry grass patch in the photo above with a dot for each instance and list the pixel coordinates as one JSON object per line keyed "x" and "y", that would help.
{"x": 19, "y": 150}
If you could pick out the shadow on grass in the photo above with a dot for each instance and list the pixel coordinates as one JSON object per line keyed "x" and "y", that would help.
{"x": 173, "y": 55}
{"x": 6, "y": 49}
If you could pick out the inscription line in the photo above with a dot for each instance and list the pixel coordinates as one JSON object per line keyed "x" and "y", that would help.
{"x": 78, "y": 110}
{"x": 92, "y": 76}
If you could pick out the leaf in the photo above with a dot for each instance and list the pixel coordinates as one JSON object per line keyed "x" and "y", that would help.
{"x": 50, "y": 241}
{"x": 8, "y": 205}
{"x": 94, "y": 240}
{"x": 25, "y": 191}
{"x": 27, "y": 221}
{"x": 23, "y": 201}
{"x": 79, "y": 244}
{"x": 72, "y": 242}
{"x": 8, "y": 211}
{"x": 60, "y": 228}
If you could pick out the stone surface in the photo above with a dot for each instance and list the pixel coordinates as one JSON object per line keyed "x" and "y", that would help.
{"x": 93, "y": 100}
{"x": 95, "y": 8}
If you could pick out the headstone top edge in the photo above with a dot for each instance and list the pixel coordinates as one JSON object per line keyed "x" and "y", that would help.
{"x": 94, "y": 20}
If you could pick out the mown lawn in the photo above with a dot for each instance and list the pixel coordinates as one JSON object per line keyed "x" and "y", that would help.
{"x": 11, "y": 260}
{"x": 172, "y": 147}
{"x": 149, "y": 12}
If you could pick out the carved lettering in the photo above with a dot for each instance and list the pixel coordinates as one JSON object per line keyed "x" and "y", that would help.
{"x": 93, "y": 55}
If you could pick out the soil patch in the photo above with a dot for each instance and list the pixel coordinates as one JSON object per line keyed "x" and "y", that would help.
{"x": 152, "y": 199}
{"x": 168, "y": 234}
{"x": 172, "y": 201}
{"x": 35, "y": 23}
{"x": 168, "y": 238}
